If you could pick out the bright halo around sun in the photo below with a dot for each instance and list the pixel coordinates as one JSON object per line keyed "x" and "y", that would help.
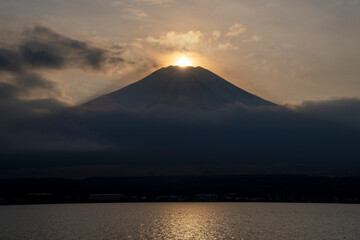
{"x": 183, "y": 62}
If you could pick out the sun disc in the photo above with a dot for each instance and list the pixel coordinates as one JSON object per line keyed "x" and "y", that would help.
{"x": 183, "y": 62}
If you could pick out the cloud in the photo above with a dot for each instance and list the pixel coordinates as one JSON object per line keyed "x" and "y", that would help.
{"x": 8, "y": 91}
{"x": 134, "y": 9}
{"x": 129, "y": 3}
{"x": 159, "y": 2}
{"x": 197, "y": 41}
{"x": 151, "y": 50}
{"x": 24, "y": 88}
{"x": 340, "y": 111}
{"x": 135, "y": 13}
{"x": 216, "y": 34}
{"x": 254, "y": 38}
{"x": 43, "y": 47}
{"x": 40, "y": 50}
{"x": 15, "y": 106}
{"x": 191, "y": 41}
{"x": 236, "y": 29}
{"x": 10, "y": 61}
{"x": 226, "y": 46}
{"x": 177, "y": 41}
{"x": 34, "y": 81}
{"x": 229, "y": 137}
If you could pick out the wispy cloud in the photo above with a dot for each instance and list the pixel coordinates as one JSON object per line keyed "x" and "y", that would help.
{"x": 226, "y": 46}
{"x": 135, "y": 13}
{"x": 236, "y": 29}
{"x": 177, "y": 41}
{"x": 154, "y": 1}
{"x": 129, "y": 10}
{"x": 194, "y": 41}
{"x": 216, "y": 34}
{"x": 254, "y": 38}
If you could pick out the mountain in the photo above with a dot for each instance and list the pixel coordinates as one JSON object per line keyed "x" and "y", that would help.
{"x": 180, "y": 87}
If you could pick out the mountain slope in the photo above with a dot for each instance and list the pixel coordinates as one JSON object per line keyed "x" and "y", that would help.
{"x": 180, "y": 87}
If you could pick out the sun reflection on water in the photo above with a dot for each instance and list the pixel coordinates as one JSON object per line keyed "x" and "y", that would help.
{"x": 187, "y": 221}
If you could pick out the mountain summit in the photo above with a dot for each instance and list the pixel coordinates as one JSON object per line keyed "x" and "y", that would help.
{"x": 180, "y": 87}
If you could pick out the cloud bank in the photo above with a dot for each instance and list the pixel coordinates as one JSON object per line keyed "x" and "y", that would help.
{"x": 294, "y": 140}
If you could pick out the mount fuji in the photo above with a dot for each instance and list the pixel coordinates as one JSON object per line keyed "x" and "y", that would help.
{"x": 179, "y": 87}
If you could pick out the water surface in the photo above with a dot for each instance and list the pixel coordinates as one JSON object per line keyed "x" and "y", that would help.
{"x": 180, "y": 221}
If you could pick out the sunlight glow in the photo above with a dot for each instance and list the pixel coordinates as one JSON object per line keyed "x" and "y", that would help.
{"x": 183, "y": 62}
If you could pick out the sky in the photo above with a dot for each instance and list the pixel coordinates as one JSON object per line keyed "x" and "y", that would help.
{"x": 285, "y": 51}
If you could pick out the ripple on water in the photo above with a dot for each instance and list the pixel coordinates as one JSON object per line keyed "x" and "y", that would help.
{"x": 180, "y": 221}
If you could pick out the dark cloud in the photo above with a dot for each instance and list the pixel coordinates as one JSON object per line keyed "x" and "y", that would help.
{"x": 40, "y": 49}
{"x": 342, "y": 111}
{"x": 8, "y": 91}
{"x": 14, "y": 109}
{"x": 32, "y": 81}
{"x": 23, "y": 84}
{"x": 43, "y": 47}
{"x": 10, "y": 61}
{"x": 44, "y": 33}
{"x": 41, "y": 55}
{"x": 233, "y": 137}
{"x": 95, "y": 59}
{"x": 24, "y": 96}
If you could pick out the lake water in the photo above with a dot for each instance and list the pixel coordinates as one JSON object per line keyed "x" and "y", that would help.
{"x": 180, "y": 221}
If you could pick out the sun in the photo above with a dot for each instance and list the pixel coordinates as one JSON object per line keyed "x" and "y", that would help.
{"x": 183, "y": 62}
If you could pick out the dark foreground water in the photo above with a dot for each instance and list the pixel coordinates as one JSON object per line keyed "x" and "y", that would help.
{"x": 180, "y": 221}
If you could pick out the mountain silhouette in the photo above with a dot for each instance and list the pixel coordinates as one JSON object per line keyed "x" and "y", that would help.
{"x": 180, "y": 87}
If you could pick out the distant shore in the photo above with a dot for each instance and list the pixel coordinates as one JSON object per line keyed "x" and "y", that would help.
{"x": 240, "y": 188}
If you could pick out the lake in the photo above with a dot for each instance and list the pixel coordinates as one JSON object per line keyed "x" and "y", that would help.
{"x": 180, "y": 221}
